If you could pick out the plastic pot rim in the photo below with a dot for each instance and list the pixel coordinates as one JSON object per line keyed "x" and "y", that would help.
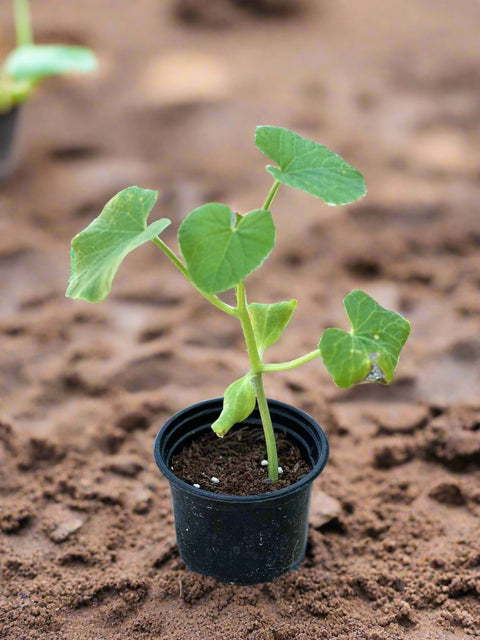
{"x": 256, "y": 497}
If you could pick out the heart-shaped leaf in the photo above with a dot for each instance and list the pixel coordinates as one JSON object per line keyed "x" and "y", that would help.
{"x": 238, "y": 404}
{"x": 308, "y": 166}
{"x": 98, "y": 250}
{"x": 221, "y": 248}
{"x": 269, "y": 321}
{"x": 370, "y": 352}
{"x": 37, "y": 61}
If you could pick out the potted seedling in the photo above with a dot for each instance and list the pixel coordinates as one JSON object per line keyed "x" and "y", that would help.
{"x": 23, "y": 69}
{"x": 256, "y": 536}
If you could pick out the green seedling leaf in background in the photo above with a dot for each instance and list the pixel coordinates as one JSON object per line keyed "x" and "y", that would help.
{"x": 221, "y": 248}
{"x": 98, "y": 250}
{"x": 238, "y": 404}
{"x": 269, "y": 321}
{"x": 309, "y": 166}
{"x": 36, "y": 62}
{"x": 370, "y": 352}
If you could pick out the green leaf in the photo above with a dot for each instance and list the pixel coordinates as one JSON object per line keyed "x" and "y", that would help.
{"x": 308, "y": 166}
{"x": 370, "y": 352}
{"x": 98, "y": 250}
{"x": 238, "y": 404}
{"x": 36, "y": 61}
{"x": 221, "y": 248}
{"x": 269, "y": 321}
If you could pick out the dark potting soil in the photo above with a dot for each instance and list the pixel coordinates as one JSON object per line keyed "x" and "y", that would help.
{"x": 235, "y": 461}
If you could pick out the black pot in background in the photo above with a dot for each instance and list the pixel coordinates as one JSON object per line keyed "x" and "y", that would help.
{"x": 241, "y": 539}
{"x": 8, "y": 127}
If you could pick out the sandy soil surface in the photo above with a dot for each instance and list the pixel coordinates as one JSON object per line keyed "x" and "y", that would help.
{"x": 87, "y": 546}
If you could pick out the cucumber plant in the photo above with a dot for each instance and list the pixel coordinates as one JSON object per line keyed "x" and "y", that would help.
{"x": 29, "y": 63}
{"x": 219, "y": 248}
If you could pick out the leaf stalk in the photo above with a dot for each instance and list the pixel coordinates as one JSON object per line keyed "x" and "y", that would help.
{"x": 292, "y": 364}
{"x": 214, "y": 300}
{"x": 271, "y": 195}
{"x": 23, "y": 25}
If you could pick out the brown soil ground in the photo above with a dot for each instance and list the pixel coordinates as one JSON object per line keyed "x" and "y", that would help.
{"x": 87, "y": 546}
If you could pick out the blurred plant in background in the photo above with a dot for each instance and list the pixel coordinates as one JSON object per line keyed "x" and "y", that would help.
{"x": 29, "y": 63}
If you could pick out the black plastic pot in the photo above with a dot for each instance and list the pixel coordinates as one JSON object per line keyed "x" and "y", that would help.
{"x": 8, "y": 127}
{"x": 241, "y": 539}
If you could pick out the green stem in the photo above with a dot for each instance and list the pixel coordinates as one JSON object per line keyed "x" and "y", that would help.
{"x": 256, "y": 369}
{"x": 256, "y": 365}
{"x": 223, "y": 306}
{"x": 291, "y": 364}
{"x": 23, "y": 25}
{"x": 271, "y": 195}
{"x": 268, "y": 431}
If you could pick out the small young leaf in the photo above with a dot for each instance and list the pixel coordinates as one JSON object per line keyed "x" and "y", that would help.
{"x": 221, "y": 248}
{"x": 370, "y": 352}
{"x": 269, "y": 321}
{"x": 238, "y": 404}
{"x": 98, "y": 250}
{"x": 37, "y": 61}
{"x": 308, "y": 166}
